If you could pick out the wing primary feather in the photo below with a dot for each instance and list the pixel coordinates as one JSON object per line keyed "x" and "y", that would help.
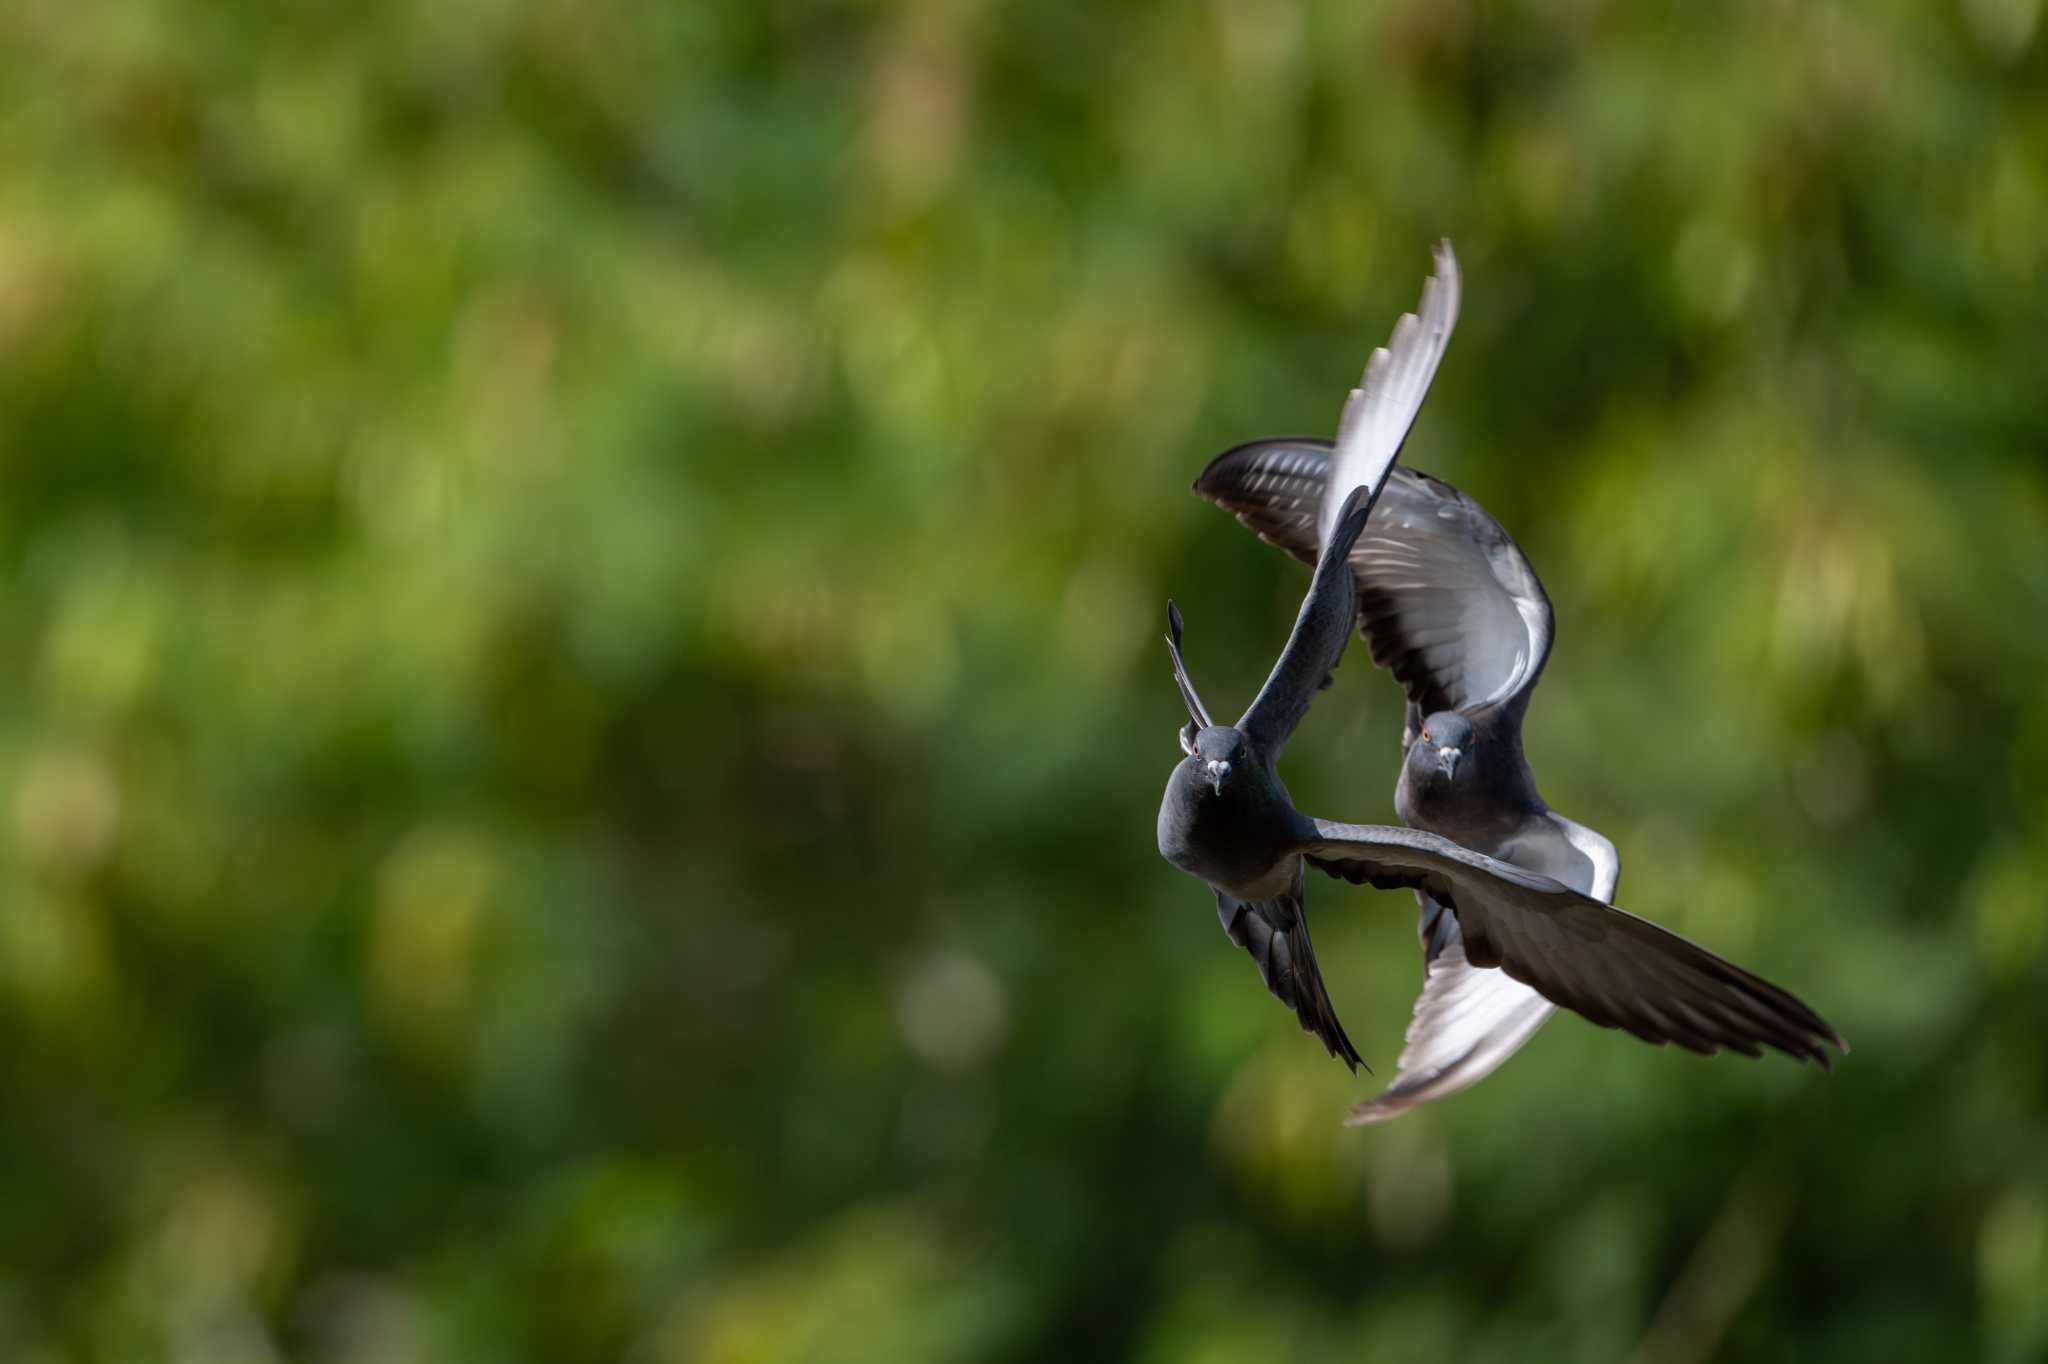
{"x": 1197, "y": 712}
{"x": 1378, "y": 413}
{"x": 1429, "y": 557}
{"x": 1275, "y": 934}
{"x": 1579, "y": 952}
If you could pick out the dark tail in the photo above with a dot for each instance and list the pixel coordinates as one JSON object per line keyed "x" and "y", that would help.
{"x": 1275, "y": 932}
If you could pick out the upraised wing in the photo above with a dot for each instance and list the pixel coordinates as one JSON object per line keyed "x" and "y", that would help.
{"x": 1378, "y": 413}
{"x": 1602, "y": 963}
{"x": 1446, "y": 600}
{"x": 1317, "y": 641}
{"x": 1198, "y": 714}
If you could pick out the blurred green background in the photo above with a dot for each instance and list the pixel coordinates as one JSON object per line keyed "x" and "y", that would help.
{"x": 584, "y": 708}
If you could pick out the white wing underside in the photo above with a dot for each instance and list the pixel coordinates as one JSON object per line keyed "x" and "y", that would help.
{"x": 1446, "y": 600}
{"x": 1380, "y": 410}
{"x": 1470, "y": 1019}
{"x": 1456, "y": 615}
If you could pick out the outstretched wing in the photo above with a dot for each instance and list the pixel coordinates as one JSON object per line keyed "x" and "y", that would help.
{"x": 1275, "y": 932}
{"x": 1446, "y": 600}
{"x": 1606, "y": 965}
{"x": 1397, "y": 376}
{"x": 1469, "y": 1019}
{"x": 1317, "y": 641}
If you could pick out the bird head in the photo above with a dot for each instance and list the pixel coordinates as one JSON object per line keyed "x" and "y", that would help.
{"x": 1445, "y": 739}
{"x": 1214, "y": 752}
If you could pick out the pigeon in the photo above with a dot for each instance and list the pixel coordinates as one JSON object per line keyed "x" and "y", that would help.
{"x": 1227, "y": 818}
{"x": 1516, "y": 918}
{"x": 1447, "y": 602}
{"x": 1234, "y": 838}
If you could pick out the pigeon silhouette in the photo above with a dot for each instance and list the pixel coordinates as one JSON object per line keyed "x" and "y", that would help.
{"x": 1515, "y": 919}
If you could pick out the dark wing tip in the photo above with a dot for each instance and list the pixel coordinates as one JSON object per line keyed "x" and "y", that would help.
{"x": 1219, "y": 476}
{"x": 1213, "y": 481}
{"x": 1825, "y": 1037}
{"x": 1333, "y": 1037}
{"x": 1286, "y": 959}
{"x": 1197, "y": 712}
{"x": 1351, "y": 516}
{"x": 1219, "y": 479}
{"x": 1815, "y": 1033}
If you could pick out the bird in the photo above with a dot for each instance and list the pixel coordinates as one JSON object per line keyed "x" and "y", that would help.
{"x": 1448, "y": 602}
{"x": 1233, "y": 838}
{"x": 1516, "y": 918}
{"x": 1227, "y": 818}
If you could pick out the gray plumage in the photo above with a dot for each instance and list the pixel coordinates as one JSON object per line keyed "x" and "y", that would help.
{"x": 1227, "y": 818}
{"x": 1446, "y": 602}
{"x": 1378, "y": 413}
{"x": 1514, "y": 897}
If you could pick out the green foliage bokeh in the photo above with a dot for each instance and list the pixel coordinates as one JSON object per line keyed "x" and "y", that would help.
{"x": 582, "y": 588}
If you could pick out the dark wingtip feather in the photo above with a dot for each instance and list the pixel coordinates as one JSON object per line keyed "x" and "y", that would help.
{"x": 1311, "y": 1001}
{"x": 1192, "y": 699}
{"x": 1219, "y": 479}
{"x": 1352, "y": 515}
{"x": 1286, "y": 959}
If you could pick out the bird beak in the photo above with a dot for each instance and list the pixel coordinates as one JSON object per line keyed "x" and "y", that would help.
{"x": 1447, "y": 759}
{"x": 1217, "y": 770}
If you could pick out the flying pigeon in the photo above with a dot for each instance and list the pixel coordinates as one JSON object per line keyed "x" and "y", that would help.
{"x": 1515, "y": 919}
{"x": 1227, "y": 818}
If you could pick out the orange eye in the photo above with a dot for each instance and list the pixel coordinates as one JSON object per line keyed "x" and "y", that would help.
{"x": 1425, "y": 736}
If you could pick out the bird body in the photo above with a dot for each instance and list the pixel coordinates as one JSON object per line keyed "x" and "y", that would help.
{"x": 1516, "y": 913}
{"x": 1489, "y": 804}
{"x": 1447, "y": 601}
{"x": 1468, "y": 782}
{"x": 1239, "y": 835}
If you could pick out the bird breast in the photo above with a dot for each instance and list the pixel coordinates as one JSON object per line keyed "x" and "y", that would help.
{"x": 1477, "y": 808}
{"x": 1239, "y": 840}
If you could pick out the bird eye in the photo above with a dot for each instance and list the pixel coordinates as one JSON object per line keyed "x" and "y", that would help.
{"x": 1425, "y": 735}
